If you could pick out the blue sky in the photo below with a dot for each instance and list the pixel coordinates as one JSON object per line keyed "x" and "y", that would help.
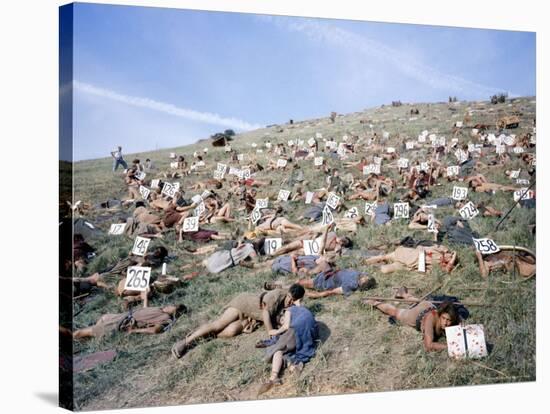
{"x": 148, "y": 78}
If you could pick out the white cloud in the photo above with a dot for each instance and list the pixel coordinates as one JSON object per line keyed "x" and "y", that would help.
{"x": 205, "y": 117}
{"x": 368, "y": 49}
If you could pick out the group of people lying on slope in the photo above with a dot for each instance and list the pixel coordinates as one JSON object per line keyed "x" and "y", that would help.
{"x": 291, "y": 327}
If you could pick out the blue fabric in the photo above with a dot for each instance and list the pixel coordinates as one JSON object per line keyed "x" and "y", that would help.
{"x": 305, "y": 332}
{"x": 315, "y": 212}
{"x": 282, "y": 263}
{"x": 118, "y": 162}
{"x": 441, "y": 202}
{"x": 347, "y": 279}
{"x": 382, "y": 214}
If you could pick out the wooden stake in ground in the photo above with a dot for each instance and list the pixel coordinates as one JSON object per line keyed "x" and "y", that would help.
{"x": 380, "y": 299}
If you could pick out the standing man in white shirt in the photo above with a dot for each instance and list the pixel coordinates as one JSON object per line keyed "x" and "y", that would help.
{"x": 117, "y": 159}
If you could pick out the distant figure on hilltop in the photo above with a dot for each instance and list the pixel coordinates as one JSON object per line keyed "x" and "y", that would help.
{"x": 117, "y": 159}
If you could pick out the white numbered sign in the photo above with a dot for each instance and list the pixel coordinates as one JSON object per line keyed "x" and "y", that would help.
{"x": 522, "y": 181}
{"x": 377, "y": 160}
{"x": 518, "y": 150}
{"x": 309, "y": 197}
{"x": 240, "y": 157}
{"x": 155, "y": 183}
{"x": 453, "y": 170}
{"x": 311, "y": 142}
{"x": 255, "y": 215}
{"x": 403, "y": 163}
{"x": 390, "y": 150}
{"x": 281, "y": 163}
{"x": 137, "y": 278}
{"x": 272, "y": 245}
{"x": 424, "y": 166}
{"x": 422, "y": 138}
{"x": 466, "y": 341}
{"x": 371, "y": 169}
{"x": 283, "y": 195}
{"x": 469, "y": 211}
{"x": 196, "y": 199}
{"x": 352, "y": 213}
{"x": 221, "y": 168}
{"x": 401, "y": 210}
{"x": 318, "y": 135}
{"x": 117, "y": 229}
{"x": 191, "y": 224}
{"x": 205, "y": 194}
{"x": 333, "y": 200}
{"x": 370, "y": 208}
{"x": 431, "y": 224}
{"x": 144, "y": 191}
{"x": 459, "y": 193}
{"x": 172, "y": 155}
{"x": 515, "y": 174}
{"x": 246, "y": 173}
{"x": 259, "y": 151}
{"x": 500, "y": 149}
{"x": 218, "y": 175}
{"x": 522, "y": 194}
{"x": 318, "y": 161}
{"x": 328, "y": 218}
{"x": 461, "y": 156}
{"x": 409, "y": 145}
{"x": 234, "y": 171}
{"x": 169, "y": 189}
{"x": 201, "y": 208}
{"x": 486, "y": 246}
{"x": 262, "y": 202}
{"x": 140, "y": 175}
{"x": 311, "y": 247}
{"x": 254, "y": 145}
{"x": 174, "y": 164}
{"x": 140, "y": 246}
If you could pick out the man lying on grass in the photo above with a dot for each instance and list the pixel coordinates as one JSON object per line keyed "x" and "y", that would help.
{"x": 333, "y": 282}
{"x": 426, "y": 317}
{"x": 147, "y": 320}
{"x": 243, "y": 314}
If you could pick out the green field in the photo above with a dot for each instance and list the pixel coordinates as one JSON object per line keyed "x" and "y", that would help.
{"x": 361, "y": 352}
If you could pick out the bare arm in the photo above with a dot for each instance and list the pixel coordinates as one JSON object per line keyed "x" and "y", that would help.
{"x": 324, "y": 294}
{"x": 429, "y": 343}
{"x": 284, "y": 327}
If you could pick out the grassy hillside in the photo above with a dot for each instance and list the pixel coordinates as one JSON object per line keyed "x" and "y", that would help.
{"x": 361, "y": 351}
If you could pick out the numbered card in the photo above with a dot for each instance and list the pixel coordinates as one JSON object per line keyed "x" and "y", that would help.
{"x": 515, "y": 174}
{"x": 466, "y": 341}
{"x": 144, "y": 191}
{"x": 309, "y": 197}
{"x": 432, "y": 137}
{"x": 509, "y": 140}
{"x": 333, "y": 200}
{"x": 424, "y": 166}
{"x": 461, "y": 156}
{"x": 318, "y": 135}
{"x": 259, "y": 151}
{"x": 169, "y": 189}
{"x": 471, "y": 147}
{"x": 201, "y": 208}
{"x": 500, "y": 149}
{"x": 140, "y": 246}
{"x": 311, "y": 247}
{"x": 458, "y": 124}
{"x": 246, "y": 173}
{"x": 300, "y": 142}
{"x": 385, "y": 134}
{"x": 371, "y": 169}
{"x": 453, "y": 170}
{"x": 117, "y": 229}
{"x": 534, "y": 161}
{"x": 255, "y": 216}
{"x": 422, "y": 138}
{"x": 328, "y": 218}
{"x": 191, "y": 224}
{"x": 403, "y": 163}
{"x": 196, "y": 199}
{"x": 352, "y": 213}
{"x": 390, "y": 150}
{"x": 523, "y": 194}
{"x": 283, "y": 195}
{"x": 221, "y": 168}
{"x": 137, "y": 278}
{"x": 262, "y": 202}
{"x": 254, "y": 145}
{"x": 422, "y": 261}
{"x": 272, "y": 245}
{"x": 205, "y": 194}
{"x": 172, "y": 155}
{"x": 377, "y": 160}
{"x": 370, "y": 208}
{"x": 468, "y": 211}
{"x": 486, "y": 246}
{"x": 218, "y": 175}
{"x": 155, "y": 183}
{"x": 311, "y": 142}
{"x": 522, "y": 181}
{"x": 281, "y": 163}
{"x": 460, "y": 193}
{"x": 240, "y": 157}
{"x": 431, "y": 224}
{"x": 401, "y": 210}
{"x": 140, "y": 175}
{"x": 234, "y": 171}
{"x": 409, "y": 145}
{"x": 474, "y": 131}
{"x": 174, "y": 164}
{"x": 318, "y": 161}
{"x": 518, "y": 150}
{"x": 268, "y": 145}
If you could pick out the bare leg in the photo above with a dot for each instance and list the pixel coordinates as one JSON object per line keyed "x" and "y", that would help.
{"x": 390, "y": 268}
